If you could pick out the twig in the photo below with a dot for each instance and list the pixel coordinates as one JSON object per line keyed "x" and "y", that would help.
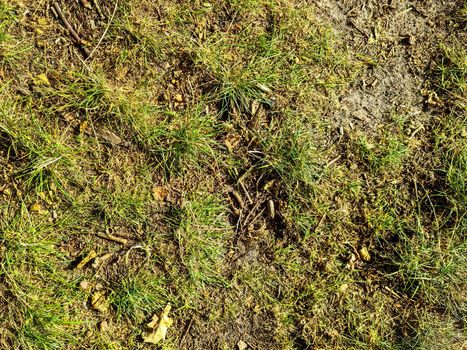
{"x": 185, "y": 333}
{"x": 238, "y": 198}
{"x": 112, "y": 238}
{"x": 333, "y": 161}
{"x": 90, "y": 256}
{"x": 246, "y": 192}
{"x": 271, "y": 209}
{"x": 70, "y": 29}
{"x": 105, "y": 31}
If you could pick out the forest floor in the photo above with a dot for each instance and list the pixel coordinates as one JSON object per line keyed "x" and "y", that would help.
{"x": 281, "y": 174}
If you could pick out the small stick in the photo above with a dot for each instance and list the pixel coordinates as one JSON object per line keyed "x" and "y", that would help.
{"x": 91, "y": 255}
{"x": 238, "y": 198}
{"x": 333, "y": 161}
{"x": 185, "y": 333}
{"x": 112, "y": 238}
{"x": 246, "y": 192}
{"x": 70, "y": 28}
{"x": 318, "y": 225}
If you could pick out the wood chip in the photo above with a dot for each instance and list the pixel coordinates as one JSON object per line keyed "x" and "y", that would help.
{"x": 91, "y": 255}
{"x": 103, "y": 325}
{"x": 110, "y": 137}
{"x": 84, "y": 285}
{"x": 101, "y": 260}
{"x": 99, "y": 302}
{"x": 271, "y": 209}
{"x": 110, "y": 237}
{"x": 160, "y": 193}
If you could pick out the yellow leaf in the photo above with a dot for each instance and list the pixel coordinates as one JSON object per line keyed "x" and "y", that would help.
{"x": 159, "y": 193}
{"x": 83, "y": 126}
{"x": 157, "y": 334}
{"x": 36, "y": 207}
{"x": 364, "y": 254}
{"x": 42, "y": 79}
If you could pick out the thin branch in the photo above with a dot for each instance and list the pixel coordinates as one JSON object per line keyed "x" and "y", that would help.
{"x": 68, "y": 26}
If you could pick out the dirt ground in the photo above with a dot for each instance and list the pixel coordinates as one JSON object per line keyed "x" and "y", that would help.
{"x": 284, "y": 174}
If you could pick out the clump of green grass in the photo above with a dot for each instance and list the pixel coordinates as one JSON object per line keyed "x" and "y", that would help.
{"x": 291, "y": 155}
{"x": 450, "y": 74}
{"x": 202, "y": 233}
{"x": 137, "y": 296}
{"x": 179, "y": 140}
{"x": 42, "y": 298}
{"x": 384, "y": 156}
{"x": 277, "y": 55}
{"x": 41, "y": 155}
{"x": 7, "y": 18}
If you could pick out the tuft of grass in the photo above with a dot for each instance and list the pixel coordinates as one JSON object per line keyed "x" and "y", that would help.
{"x": 387, "y": 155}
{"x": 202, "y": 231}
{"x": 450, "y": 73}
{"x": 136, "y": 297}
{"x": 289, "y": 152}
{"x": 39, "y": 313}
{"x": 179, "y": 140}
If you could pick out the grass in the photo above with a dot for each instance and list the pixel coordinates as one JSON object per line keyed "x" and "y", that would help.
{"x": 202, "y": 135}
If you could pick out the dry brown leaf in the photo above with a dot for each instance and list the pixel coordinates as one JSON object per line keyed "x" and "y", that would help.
{"x": 159, "y": 193}
{"x": 157, "y": 328}
{"x": 99, "y": 302}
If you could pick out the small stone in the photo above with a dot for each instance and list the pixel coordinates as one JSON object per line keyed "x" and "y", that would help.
{"x": 84, "y": 285}
{"x": 178, "y": 98}
{"x": 241, "y": 345}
